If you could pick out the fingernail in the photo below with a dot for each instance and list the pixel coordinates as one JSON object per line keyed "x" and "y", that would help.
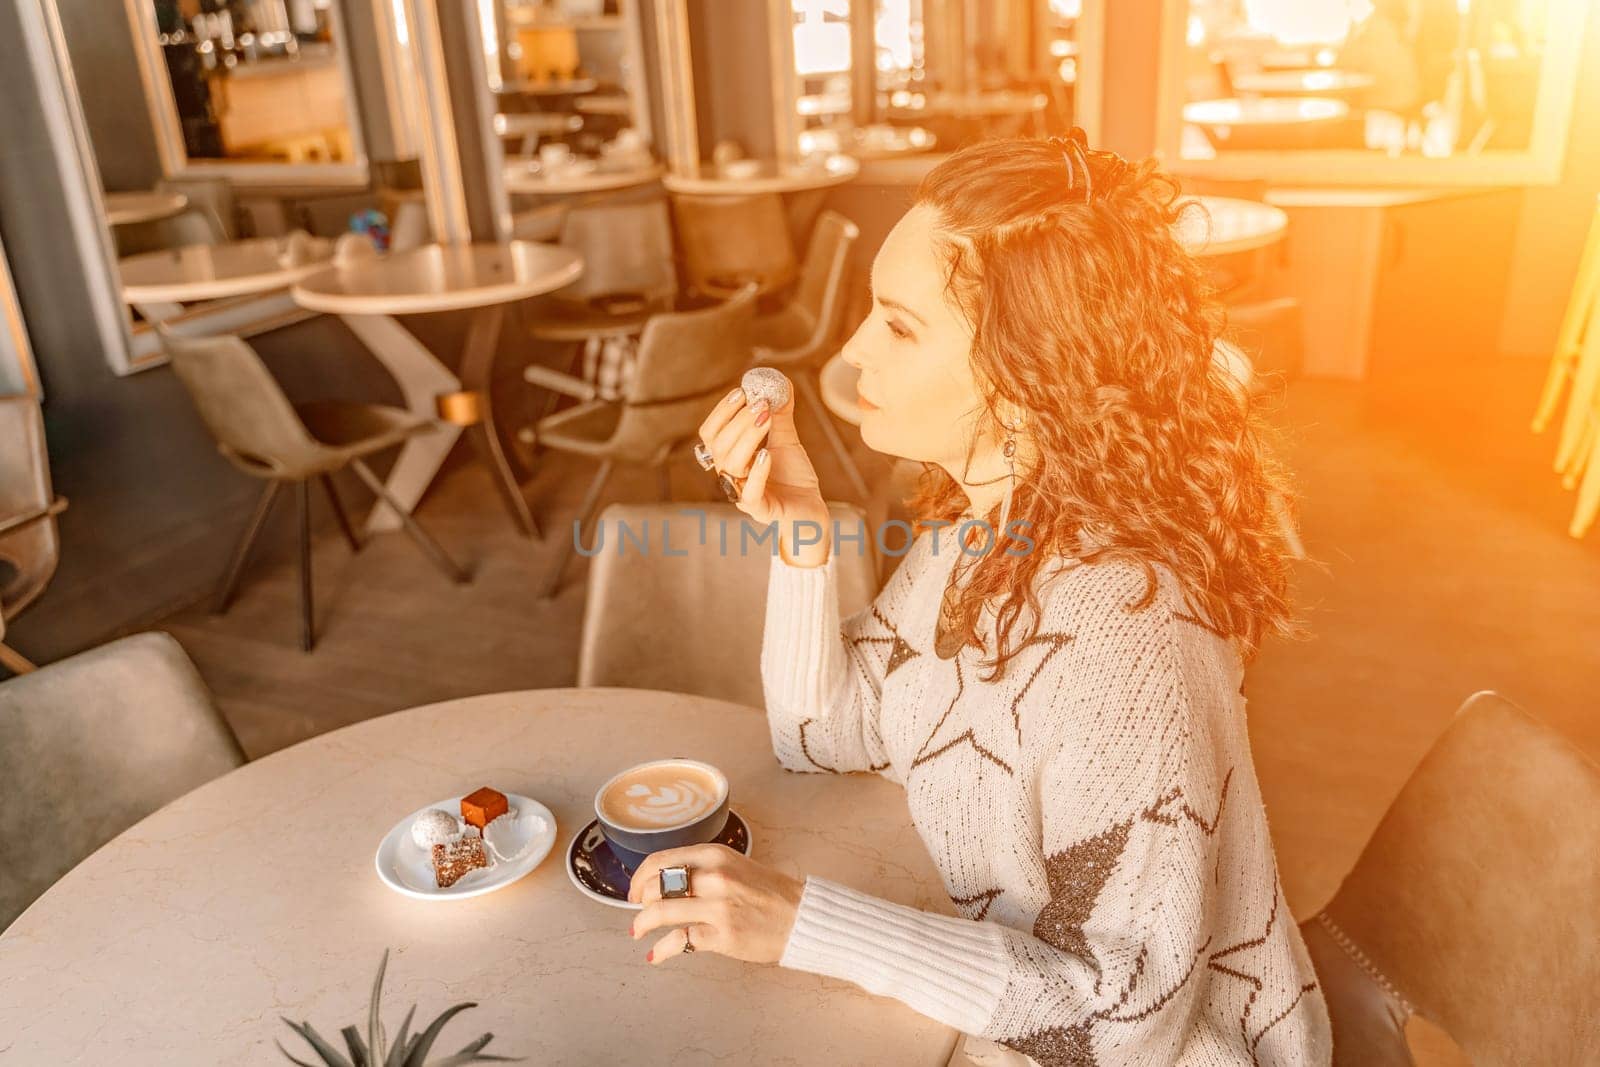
{"x": 737, "y": 392}
{"x": 766, "y": 413}
{"x": 650, "y": 957}
{"x": 761, "y": 456}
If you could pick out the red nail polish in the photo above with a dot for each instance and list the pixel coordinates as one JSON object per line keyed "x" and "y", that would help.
{"x": 761, "y": 419}
{"x": 649, "y": 957}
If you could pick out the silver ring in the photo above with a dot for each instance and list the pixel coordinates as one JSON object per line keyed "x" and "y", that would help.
{"x": 729, "y": 487}
{"x": 702, "y": 456}
{"x": 688, "y": 946}
{"x": 674, "y": 882}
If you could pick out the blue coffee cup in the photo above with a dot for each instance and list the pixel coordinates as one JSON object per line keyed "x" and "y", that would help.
{"x": 661, "y": 804}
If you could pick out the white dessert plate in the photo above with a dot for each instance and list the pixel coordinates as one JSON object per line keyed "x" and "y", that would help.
{"x": 515, "y": 849}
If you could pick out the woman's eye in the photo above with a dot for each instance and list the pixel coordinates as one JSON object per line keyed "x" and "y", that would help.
{"x": 899, "y": 331}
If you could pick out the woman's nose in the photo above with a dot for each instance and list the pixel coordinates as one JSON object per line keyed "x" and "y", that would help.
{"x": 852, "y": 350}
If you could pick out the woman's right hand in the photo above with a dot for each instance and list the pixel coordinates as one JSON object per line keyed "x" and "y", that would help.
{"x": 780, "y": 484}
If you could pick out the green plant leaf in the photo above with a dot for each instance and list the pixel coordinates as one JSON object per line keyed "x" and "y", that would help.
{"x": 374, "y": 1027}
{"x": 401, "y": 1046}
{"x": 297, "y": 1063}
{"x": 358, "y": 1051}
{"x": 328, "y": 1053}
{"x": 471, "y": 1054}
{"x": 419, "y": 1053}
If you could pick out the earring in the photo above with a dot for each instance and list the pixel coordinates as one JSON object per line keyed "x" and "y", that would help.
{"x": 1008, "y": 449}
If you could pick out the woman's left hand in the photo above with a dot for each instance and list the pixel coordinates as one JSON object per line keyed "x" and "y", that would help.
{"x": 740, "y": 908}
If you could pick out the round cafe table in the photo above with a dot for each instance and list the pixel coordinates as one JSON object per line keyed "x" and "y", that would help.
{"x": 368, "y": 292}
{"x": 213, "y": 272}
{"x": 1325, "y": 82}
{"x": 124, "y": 209}
{"x": 751, "y": 177}
{"x": 1230, "y": 225}
{"x": 186, "y": 938}
{"x": 1266, "y": 122}
{"x": 532, "y": 178}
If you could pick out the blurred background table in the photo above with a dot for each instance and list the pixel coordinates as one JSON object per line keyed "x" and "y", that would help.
{"x": 257, "y": 892}
{"x": 482, "y": 278}
{"x": 123, "y": 209}
{"x": 581, "y": 176}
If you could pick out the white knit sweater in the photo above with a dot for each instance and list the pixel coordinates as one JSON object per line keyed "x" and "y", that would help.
{"x": 1094, "y": 814}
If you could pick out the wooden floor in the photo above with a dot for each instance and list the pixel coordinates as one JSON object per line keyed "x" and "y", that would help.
{"x": 1443, "y": 568}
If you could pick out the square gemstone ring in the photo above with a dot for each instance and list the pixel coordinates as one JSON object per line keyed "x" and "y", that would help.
{"x": 674, "y": 882}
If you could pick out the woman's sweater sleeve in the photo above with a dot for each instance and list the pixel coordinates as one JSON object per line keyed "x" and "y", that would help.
{"x": 1115, "y": 946}
{"x": 823, "y": 678}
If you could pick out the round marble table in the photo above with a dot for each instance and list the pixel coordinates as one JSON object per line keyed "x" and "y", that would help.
{"x": 586, "y": 176}
{"x": 553, "y": 87}
{"x": 878, "y": 141}
{"x": 253, "y": 897}
{"x": 750, "y": 177}
{"x": 123, "y": 209}
{"x": 368, "y": 292}
{"x": 1266, "y": 122}
{"x": 1230, "y": 225}
{"x": 1327, "y": 82}
{"x": 212, "y": 272}
{"x": 988, "y": 104}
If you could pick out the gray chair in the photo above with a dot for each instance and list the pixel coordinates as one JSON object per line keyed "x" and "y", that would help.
{"x": 628, "y": 273}
{"x": 1476, "y": 903}
{"x": 628, "y": 276}
{"x": 687, "y": 361}
{"x": 691, "y": 621}
{"x": 90, "y": 745}
{"x": 210, "y": 218}
{"x": 798, "y": 336}
{"x": 728, "y": 241}
{"x": 259, "y": 431}
{"x": 30, "y": 544}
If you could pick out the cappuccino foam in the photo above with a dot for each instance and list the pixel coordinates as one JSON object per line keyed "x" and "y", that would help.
{"x": 660, "y": 795}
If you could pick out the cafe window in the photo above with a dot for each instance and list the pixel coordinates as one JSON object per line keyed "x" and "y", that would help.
{"x": 884, "y": 78}
{"x": 257, "y": 90}
{"x": 1372, "y": 91}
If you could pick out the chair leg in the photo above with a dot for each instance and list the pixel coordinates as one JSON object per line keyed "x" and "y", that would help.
{"x": 308, "y": 626}
{"x": 241, "y": 552}
{"x": 477, "y": 376}
{"x": 808, "y": 387}
{"x": 339, "y": 513}
{"x": 424, "y": 540}
{"x": 590, "y": 498}
{"x": 14, "y": 661}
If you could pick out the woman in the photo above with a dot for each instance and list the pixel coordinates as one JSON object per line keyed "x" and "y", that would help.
{"x": 1062, "y": 706}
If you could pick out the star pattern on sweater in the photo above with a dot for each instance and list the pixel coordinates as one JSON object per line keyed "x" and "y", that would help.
{"x": 1054, "y": 642}
{"x": 980, "y": 901}
{"x": 1076, "y": 876}
{"x": 930, "y": 751}
{"x": 1172, "y": 807}
{"x": 1239, "y": 967}
{"x": 900, "y": 650}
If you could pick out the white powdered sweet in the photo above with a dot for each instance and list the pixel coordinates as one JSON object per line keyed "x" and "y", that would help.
{"x": 765, "y": 383}
{"x": 435, "y": 827}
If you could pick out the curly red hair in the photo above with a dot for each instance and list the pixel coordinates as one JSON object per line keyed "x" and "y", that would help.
{"x": 1089, "y": 315}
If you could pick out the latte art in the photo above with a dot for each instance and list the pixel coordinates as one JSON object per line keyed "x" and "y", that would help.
{"x": 659, "y": 796}
{"x": 666, "y": 805}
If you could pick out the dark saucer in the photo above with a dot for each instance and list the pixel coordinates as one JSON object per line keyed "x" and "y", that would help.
{"x": 594, "y": 869}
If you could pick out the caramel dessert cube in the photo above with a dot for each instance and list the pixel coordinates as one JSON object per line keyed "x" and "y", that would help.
{"x": 482, "y": 807}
